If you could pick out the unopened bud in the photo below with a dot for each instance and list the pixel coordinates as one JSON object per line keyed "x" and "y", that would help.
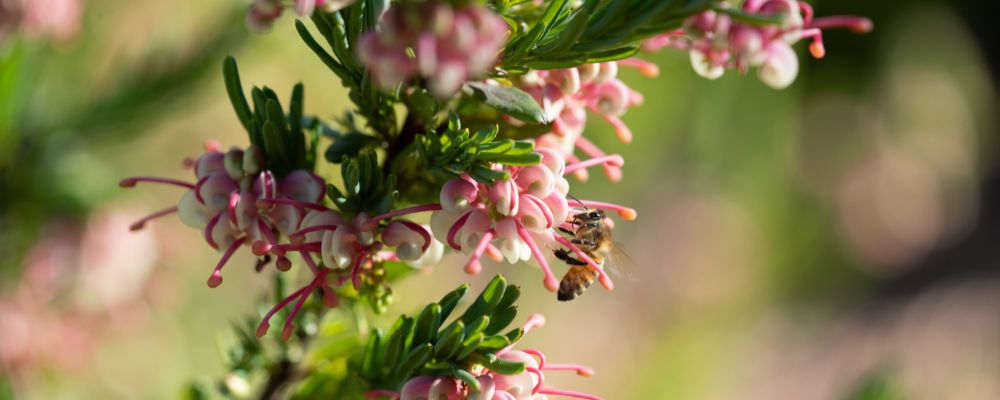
{"x": 253, "y": 160}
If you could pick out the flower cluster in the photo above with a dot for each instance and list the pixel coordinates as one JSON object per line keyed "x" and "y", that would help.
{"x": 527, "y": 385}
{"x": 234, "y": 201}
{"x": 515, "y": 218}
{"x": 263, "y": 13}
{"x": 718, "y": 41}
{"x": 567, "y": 94}
{"x": 56, "y": 19}
{"x": 449, "y": 45}
{"x": 349, "y": 249}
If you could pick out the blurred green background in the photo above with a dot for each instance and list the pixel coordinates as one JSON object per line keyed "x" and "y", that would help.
{"x": 837, "y": 236}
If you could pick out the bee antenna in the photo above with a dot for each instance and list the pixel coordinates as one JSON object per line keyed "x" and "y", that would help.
{"x": 578, "y": 201}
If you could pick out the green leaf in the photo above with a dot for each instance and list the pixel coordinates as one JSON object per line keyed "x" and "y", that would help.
{"x": 369, "y": 364}
{"x": 509, "y": 100}
{"x": 450, "y": 340}
{"x": 470, "y": 344}
{"x": 477, "y": 326}
{"x": 500, "y": 320}
{"x": 416, "y": 358}
{"x": 231, "y": 76}
{"x": 397, "y": 342}
{"x": 428, "y": 324}
{"x": 494, "y": 343}
{"x": 327, "y": 59}
{"x": 488, "y": 299}
{"x": 468, "y": 378}
{"x": 450, "y": 300}
{"x": 497, "y": 364}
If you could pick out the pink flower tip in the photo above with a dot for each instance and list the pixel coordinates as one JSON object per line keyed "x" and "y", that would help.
{"x": 262, "y": 328}
{"x": 215, "y": 280}
{"x": 627, "y": 214}
{"x": 137, "y": 226}
{"x": 606, "y": 282}
{"x": 551, "y": 283}
{"x": 127, "y": 182}
{"x": 286, "y": 332}
{"x": 585, "y": 371}
{"x": 817, "y": 50}
{"x": 473, "y": 267}
{"x": 861, "y": 25}
{"x": 534, "y": 321}
{"x": 260, "y": 247}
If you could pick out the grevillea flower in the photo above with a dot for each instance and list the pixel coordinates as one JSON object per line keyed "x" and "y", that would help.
{"x": 450, "y": 45}
{"x": 347, "y": 249}
{"x": 235, "y": 202}
{"x": 567, "y": 94}
{"x": 514, "y": 219}
{"x": 527, "y": 385}
{"x": 263, "y": 13}
{"x": 717, "y": 41}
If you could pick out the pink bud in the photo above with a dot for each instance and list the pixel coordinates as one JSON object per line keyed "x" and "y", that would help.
{"x": 537, "y": 180}
{"x": 781, "y": 66}
{"x": 534, "y": 214}
{"x": 458, "y": 194}
{"x": 303, "y": 186}
{"x": 209, "y": 163}
{"x": 553, "y": 160}
{"x": 215, "y": 191}
{"x": 503, "y": 194}
{"x": 608, "y": 71}
{"x": 475, "y": 227}
{"x": 304, "y": 8}
{"x": 611, "y": 98}
{"x": 486, "y": 389}
{"x": 705, "y": 67}
{"x": 417, "y": 388}
{"x": 191, "y": 212}
{"x": 409, "y": 239}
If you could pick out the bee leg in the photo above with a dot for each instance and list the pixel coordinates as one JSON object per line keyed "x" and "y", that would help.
{"x": 585, "y": 242}
{"x": 564, "y": 255}
{"x": 567, "y": 231}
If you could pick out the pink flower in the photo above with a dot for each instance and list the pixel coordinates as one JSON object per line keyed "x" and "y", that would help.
{"x": 450, "y": 46}
{"x": 263, "y": 13}
{"x": 717, "y": 42}
{"x": 566, "y": 95}
{"x": 527, "y": 385}
{"x": 514, "y": 219}
{"x": 233, "y": 207}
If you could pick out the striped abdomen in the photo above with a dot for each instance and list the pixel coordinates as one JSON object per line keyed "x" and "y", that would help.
{"x": 576, "y": 280}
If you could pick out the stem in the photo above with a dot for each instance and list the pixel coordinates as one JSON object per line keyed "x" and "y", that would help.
{"x": 407, "y": 135}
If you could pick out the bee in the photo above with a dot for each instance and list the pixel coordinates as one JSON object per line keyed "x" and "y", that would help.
{"x": 593, "y": 237}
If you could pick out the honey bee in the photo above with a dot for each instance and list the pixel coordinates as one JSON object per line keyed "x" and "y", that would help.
{"x": 593, "y": 237}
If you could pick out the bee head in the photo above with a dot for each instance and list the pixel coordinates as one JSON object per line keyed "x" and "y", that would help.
{"x": 593, "y": 216}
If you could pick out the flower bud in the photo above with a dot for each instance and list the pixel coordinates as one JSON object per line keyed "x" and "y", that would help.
{"x": 611, "y": 98}
{"x": 608, "y": 71}
{"x": 303, "y": 186}
{"x": 209, "y": 163}
{"x": 704, "y": 67}
{"x": 457, "y": 194}
{"x": 781, "y": 66}
{"x": 234, "y": 163}
{"x": 215, "y": 191}
{"x": 191, "y": 212}
{"x": 253, "y": 160}
{"x": 537, "y": 180}
{"x": 503, "y": 194}
{"x": 409, "y": 239}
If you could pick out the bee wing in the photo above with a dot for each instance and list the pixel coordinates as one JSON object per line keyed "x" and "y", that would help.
{"x": 619, "y": 264}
